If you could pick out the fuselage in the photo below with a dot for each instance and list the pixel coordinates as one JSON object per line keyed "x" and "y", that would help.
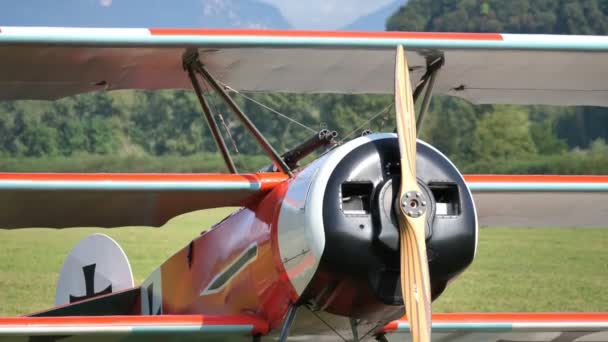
{"x": 325, "y": 240}
{"x": 232, "y": 268}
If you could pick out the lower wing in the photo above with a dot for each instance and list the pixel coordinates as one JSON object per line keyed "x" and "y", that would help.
{"x": 510, "y": 327}
{"x": 452, "y": 327}
{"x": 144, "y": 328}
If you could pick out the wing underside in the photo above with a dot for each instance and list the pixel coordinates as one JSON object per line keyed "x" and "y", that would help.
{"x": 49, "y": 63}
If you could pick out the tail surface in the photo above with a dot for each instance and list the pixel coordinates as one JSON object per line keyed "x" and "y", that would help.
{"x": 95, "y": 279}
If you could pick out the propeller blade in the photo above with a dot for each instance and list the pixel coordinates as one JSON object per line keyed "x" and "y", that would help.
{"x": 415, "y": 282}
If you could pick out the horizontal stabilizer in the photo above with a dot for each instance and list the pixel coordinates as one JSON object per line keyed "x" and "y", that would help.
{"x": 60, "y": 200}
{"x": 119, "y": 303}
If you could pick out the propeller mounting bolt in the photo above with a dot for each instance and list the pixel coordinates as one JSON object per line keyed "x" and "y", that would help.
{"x": 413, "y": 204}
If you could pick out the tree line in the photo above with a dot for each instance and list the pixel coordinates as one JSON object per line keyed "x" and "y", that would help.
{"x": 138, "y": 124}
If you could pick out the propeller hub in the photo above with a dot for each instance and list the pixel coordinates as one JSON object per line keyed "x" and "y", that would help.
{"x": 413, "y": 204}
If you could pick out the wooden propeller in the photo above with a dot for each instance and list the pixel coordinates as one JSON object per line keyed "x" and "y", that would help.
{"x": 415, "y": 283}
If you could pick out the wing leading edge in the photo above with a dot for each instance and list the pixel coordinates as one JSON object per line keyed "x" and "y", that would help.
{"x": 49, "y": 63}
{"x": 112, "y": 200}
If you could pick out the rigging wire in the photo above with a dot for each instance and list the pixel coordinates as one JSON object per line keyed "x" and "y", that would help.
{"x": 219, "y": 114}
{"x": 383, "y": 111}
{"x": 327, "y": 324}
{"x": 236, "y": 149}
{"x": 267, "y": 108}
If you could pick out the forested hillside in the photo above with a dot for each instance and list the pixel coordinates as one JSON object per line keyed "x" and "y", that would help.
{"x": 514, "y": 16}
{"x": 164, "y": 131}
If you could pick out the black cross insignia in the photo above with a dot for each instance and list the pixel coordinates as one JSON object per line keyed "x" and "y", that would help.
{"x": 89, "y": 283}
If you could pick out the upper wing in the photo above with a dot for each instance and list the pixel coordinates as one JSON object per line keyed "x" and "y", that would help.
{"x": 540, "y": 201}
{"x": 112, "y": 200}
{"x": 512, "y": 327}
{"x": 49, "y": 63}
{"x": 132, "y": 328}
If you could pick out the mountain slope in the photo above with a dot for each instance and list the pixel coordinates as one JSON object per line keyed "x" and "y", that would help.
{"x": 144, "y": 13}
{"x": 375, "y": 21}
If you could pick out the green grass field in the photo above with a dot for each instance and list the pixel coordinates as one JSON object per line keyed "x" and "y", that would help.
{"x": 515, "y": 269}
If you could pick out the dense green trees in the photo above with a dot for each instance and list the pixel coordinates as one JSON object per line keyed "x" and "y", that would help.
{"x": 80, "y": 124}
{"x": 513, "y": 16}
{"x": 149, "y": 131}
{"x": 503, "y": 134}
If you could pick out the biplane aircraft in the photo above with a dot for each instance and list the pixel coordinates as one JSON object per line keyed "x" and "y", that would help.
{"x": 336, "y": 249}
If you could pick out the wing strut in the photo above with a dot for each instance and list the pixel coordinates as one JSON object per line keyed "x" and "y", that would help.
{"x": 287, "y": 322}
{"x": 427, "y": 82}
{"x": 219, "y": 141}
{"x": 192, "y": 61}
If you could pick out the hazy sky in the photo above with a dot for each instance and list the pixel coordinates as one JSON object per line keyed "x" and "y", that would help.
{"x": 325, "y": 14}
{"x": 300, "y": 14}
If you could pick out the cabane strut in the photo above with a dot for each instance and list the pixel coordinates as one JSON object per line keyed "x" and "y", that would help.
{"x": 219, "y": 140}
{"x": 427, "y": 82}
{"x": 194, "y": 66}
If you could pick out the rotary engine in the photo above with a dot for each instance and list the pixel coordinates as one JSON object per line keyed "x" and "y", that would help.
{"x": 338, "y": 234}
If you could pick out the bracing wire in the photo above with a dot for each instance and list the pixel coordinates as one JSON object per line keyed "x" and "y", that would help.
{"x": 267, "y": 108}
{"x": 219, "y": 114}
{"x": 383, "y": 111}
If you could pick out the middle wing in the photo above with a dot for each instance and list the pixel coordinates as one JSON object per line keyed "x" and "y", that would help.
{"x": 540, "y": 201}
{"x": 49, "y": 63}
{"x": 62, "y": 200}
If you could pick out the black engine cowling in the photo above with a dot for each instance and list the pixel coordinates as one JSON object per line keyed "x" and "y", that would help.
{"x": 361, "y": 254}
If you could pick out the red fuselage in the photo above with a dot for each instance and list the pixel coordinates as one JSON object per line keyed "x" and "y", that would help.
{"x": 258, "y": 285}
